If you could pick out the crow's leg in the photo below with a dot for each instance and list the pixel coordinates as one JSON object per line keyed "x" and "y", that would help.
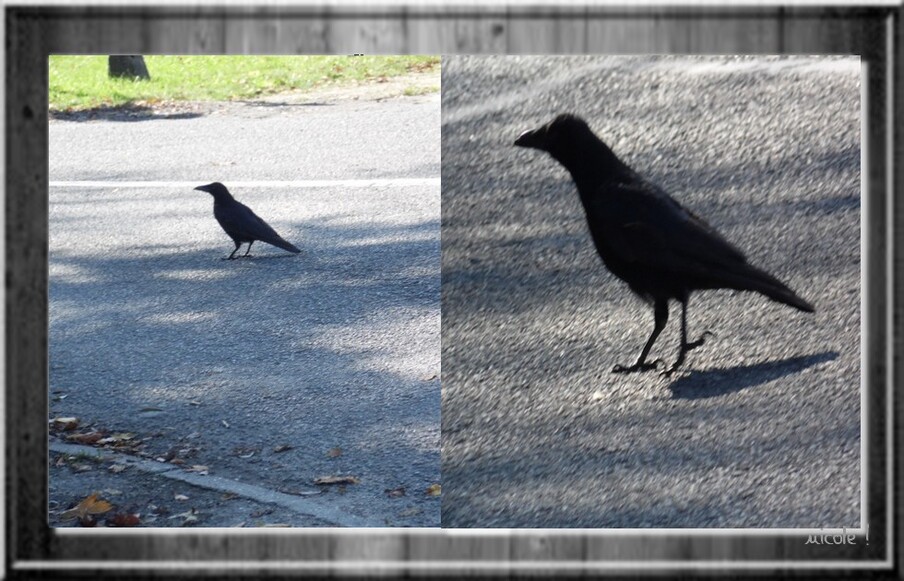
{"x": 661, "y": 314}
{"x": 249, "y": 248}
{"x": 237, "y": 246}
{"x": 685, "y": 346}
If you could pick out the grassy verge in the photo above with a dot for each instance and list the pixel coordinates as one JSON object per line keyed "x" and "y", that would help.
{"x": 81, "y": 82}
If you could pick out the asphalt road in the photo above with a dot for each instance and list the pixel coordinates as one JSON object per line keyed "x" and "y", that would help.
{"x": 762, "y": 426}
{"x": 276, "y": 369}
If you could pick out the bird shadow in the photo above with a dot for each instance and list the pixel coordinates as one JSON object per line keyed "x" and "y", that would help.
{"x": 257, "y": 257}
{"x": 716, "y": 382}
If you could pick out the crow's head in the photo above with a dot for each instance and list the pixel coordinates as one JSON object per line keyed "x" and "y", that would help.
{"x": 572, "y": 143}
{"x": 217, "y": 190}
{"x": 557, "y": 136}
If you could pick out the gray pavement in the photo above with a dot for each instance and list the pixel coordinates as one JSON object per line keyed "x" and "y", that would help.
{"x": 259, "y": 368}
{"x": 762, "y": 427}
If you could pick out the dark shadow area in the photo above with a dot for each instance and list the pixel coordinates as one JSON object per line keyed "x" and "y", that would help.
{"x": 261, "y": 256}
{"x": 272, "y": 352}
{"x": 124, "y": 113}
{"x": 716, "y": 382}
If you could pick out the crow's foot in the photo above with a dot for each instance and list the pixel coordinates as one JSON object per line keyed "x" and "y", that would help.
{"x": 637, "y": 367}
{"x": 698, "y": 342}
{"x": 668, "y": 372}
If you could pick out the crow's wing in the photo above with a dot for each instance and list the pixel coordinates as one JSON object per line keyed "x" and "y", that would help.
{"x": 653, "y": 232}
{"x": 239, "y": 221}
{"x": 644, "y": 225}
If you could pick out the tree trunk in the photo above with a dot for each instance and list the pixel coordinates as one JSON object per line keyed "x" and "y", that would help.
{"x": 131, "y": 67}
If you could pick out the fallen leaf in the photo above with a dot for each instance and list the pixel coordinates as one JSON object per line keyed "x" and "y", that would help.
{"x": 297, "y": 492}
{"x": 410, "y": 512}
{"x": 434, "y": 490}
{"x": 189, "y": 516}
{"x": 202, "y": 470}
{"x": 88, "y": 438}
{"x": 336, "y": 480}
{"x": 65, "y": 424}
{"x": 225, "y": 423}
{"x": 89, "y": 505}
{"x": 180, "y": 497}
{"x": 229, "y": 496}
{"x": 334, "y": 452}
{"x": 116, "y": 438}
{"x": 395, "y": 492}
{"x": 117, "y": 468}
{"x": 282, "y": 448}
{"x": 123, "y": 519}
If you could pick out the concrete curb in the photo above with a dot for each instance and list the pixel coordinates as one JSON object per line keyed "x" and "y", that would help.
{"x": 302, "y": 505}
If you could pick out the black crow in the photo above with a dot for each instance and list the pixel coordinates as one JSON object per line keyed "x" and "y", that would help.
{"x": 645, "y": 238}
{"x": 240, "y": 223}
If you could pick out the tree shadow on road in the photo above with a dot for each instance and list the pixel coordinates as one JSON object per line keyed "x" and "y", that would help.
{"x": 129, "y": 112}
{"x": 331, "y": 349}
{"x": 716, "y": 382}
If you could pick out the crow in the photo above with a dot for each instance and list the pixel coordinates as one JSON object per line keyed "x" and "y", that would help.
{"x": 240, "y": 223}
{"x": 644, "y": 237}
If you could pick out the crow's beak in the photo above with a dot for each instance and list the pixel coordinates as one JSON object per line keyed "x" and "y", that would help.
{"x": 203, "y": 189}
{"x": 533, "y": 138}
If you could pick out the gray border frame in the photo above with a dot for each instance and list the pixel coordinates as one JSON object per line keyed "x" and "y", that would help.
{"x": 32, "y": 33}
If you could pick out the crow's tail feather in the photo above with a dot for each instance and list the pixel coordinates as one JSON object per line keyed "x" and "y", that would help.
{"x": 754, "y": 279}
{"x": 280, "y": 243}
{"x": 287, "y": 246}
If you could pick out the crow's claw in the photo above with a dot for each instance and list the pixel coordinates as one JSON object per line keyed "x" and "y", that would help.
{"x": 699, "y": 341}
{"x": 668, "y": 372}
{"x": 637, "y": 367}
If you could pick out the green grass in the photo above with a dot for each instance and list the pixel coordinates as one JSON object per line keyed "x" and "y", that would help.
{"x": 81, "y": 82}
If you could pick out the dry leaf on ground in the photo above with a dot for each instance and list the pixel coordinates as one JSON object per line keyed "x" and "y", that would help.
{"x": 88, "y": 506}
{"x": 124, "y": 519}
{"x": 87, "y": 438}
{"x": 65, "y": 424}
{"x": 336, "y": 480}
